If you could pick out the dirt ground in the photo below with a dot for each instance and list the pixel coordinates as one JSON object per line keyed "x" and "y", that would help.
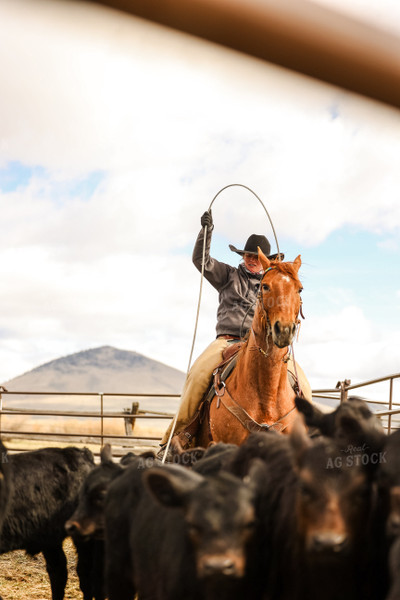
{"x": 25, "y": 578}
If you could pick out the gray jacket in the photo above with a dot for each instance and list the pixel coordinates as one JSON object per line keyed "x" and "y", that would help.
{"x": 236, "y": 287}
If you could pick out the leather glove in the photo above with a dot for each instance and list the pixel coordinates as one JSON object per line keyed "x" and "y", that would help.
{"x": 206, "y": 219}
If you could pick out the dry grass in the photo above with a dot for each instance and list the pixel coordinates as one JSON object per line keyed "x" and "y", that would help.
{"x": 82, "y": 426}
{"x": 85, "y": 428}
{"x": 23, "y": 577}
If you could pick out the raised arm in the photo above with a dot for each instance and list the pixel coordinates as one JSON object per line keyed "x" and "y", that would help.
{"x": 216, "y": 272}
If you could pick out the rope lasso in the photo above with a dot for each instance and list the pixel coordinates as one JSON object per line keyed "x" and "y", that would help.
{"x": 258, "y": 198}
{"x": 201, "y": 291}
{"x": 193, "y": 343}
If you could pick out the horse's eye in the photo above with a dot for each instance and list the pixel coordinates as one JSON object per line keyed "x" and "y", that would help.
{"x": 266, "y": 287}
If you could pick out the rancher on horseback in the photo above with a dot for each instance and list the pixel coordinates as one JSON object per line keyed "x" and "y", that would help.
{"x": 237, "y": 287}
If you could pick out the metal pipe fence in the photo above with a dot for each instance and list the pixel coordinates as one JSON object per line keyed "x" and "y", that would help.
{"x": 129, "y": 416}
{"x": 341, "y": 391}
{"x": 390, "y": 408}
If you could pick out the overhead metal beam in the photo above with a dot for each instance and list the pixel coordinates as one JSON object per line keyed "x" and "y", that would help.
{"x": 295, "y": 34}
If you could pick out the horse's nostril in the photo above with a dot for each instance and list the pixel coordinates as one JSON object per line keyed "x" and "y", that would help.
{"x": 285, "y": 330}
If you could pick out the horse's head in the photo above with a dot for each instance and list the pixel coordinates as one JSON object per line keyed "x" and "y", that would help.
{"x": 280, "y": 300}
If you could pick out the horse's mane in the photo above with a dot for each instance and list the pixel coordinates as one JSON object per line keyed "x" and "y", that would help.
{"x": 286, "y": 268}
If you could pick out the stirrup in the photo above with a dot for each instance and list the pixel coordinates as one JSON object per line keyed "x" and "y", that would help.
{"x": 161, "y": 452}
{"x": 181, "y": 441}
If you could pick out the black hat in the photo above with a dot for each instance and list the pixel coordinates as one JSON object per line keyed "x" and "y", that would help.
{"x": 252, "y": 245}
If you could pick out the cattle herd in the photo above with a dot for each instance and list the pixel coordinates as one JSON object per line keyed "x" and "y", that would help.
{"x": 296, "y": 517}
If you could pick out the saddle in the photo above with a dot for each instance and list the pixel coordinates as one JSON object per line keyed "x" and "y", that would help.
{"x": 216, "y": 388}
{"x": 220, "y": 374}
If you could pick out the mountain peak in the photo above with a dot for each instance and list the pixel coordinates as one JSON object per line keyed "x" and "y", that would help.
{"x": 102, "y": 369}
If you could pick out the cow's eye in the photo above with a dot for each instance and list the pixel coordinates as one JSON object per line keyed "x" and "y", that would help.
{"x": 266, "y": 287}
{"x": 250, "y": 525}
{"x": 300, "y": 290}
{"x": 194, "y": 531}
{"x": 361, "y": 492}
{"x": 98, "y": 497}
{"x": 307, "y": 491}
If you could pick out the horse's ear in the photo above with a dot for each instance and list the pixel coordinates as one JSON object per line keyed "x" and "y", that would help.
{"x": 297, "y": 263}
{"x": 265, "y": 262}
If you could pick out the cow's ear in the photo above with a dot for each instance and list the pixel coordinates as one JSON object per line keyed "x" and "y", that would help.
{"x": 171, "y": 485}
{"x": 106, "y": 454}
{"x": 349, "y": 425}
{"x": 312, "y": 415}
{"x": 299, "y": 440}
{"x": 256, "y": 475}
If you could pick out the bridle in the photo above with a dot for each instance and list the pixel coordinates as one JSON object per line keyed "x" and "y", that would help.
{"x": 265, "y": 316}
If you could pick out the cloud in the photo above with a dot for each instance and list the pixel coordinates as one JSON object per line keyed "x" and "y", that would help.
{"x": 115, "y": 137}
{"x": 346, "y": 345}
{"x": 169, "y": 119}
{"x": 391, "y": 245}
{"x": 122, "y": 300}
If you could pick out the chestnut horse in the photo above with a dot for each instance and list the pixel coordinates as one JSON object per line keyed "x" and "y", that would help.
{"x": 257, "y": 395}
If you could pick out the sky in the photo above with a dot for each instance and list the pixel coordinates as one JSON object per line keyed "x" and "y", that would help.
{"x": 115, "y": 136}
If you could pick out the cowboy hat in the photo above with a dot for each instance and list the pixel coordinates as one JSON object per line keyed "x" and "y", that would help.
{"x": 252, "y": 245}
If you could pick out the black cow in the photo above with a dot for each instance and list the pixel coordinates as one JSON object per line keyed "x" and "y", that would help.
{"x": 173, "y": 533}
{"x": 334, "y": 514}
{"x": 315, "y": 515}
{"x": 278, "y": 550}
{"x": 389, "y": 483}
{"x": 394, "y": 570}
{"x": 88, "y": 519}
{"x": 353, "y": 426}
{"x": 4, "y": 483}
{"x": 216, "y": 457}
{"x": 388, "y": 513}
{"x": 44, "y": 493}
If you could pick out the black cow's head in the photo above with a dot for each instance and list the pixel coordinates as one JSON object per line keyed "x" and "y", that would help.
{"x": 352, "y": 425}
{"x": 333, "y": 497}
{"x": 219, "y": 514}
